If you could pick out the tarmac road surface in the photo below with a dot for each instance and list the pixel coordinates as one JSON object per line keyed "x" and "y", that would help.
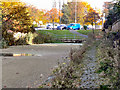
{"x": 33, "y": 69}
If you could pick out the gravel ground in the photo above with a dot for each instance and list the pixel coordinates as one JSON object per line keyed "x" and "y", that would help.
{"x": 89, "y": 78}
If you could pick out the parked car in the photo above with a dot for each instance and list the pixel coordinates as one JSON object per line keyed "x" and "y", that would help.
{"x": 82, "y": 28}
{"x": 61, "y": 27}
{"x": 73, "y": 26}
{"x": 50, "y": 26}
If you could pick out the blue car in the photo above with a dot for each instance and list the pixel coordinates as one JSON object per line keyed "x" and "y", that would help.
{"x": 73, "y": 26}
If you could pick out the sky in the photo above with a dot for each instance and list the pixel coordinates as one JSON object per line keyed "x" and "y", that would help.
{"x": 47, "y": 4}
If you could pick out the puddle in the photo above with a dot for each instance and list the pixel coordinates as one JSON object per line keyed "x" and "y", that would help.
{"x": 14, "y": 55}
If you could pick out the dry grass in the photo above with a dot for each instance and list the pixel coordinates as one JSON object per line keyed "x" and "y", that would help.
{"x": 109, "y": 61}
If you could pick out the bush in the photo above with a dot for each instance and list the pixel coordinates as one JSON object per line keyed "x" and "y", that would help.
{"x": 3, "y": 43}
{"x": 109, "y": 59}
{"x": 35, "y": 25}
{"x": 85, "y": 27}
{"x": 40, "y": 38}
{"x": 21, "y": 41}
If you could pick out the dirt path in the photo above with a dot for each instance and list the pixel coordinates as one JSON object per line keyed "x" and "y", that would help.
{"x": 89, "y": 77}
{"x": 79, "y": 34}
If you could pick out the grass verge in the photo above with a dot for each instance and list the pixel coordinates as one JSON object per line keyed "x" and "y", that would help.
{"x": 86, "y": 32}
{"x": 59, "y": 34}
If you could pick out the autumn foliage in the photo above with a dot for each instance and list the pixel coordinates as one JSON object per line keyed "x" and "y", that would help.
{"x": 53, "y": 15}
{"x": 82, "y": 8}
{"x": 16, "y": 18}
{"x": 84, "y": 13}
{"x": 91, "y": 18}
{"x": 37, "y": 14}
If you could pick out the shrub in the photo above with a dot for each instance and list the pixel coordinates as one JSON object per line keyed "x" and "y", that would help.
{"x": 66, "y": 76}
{"x": 21, "y": 41}
{"x": 29, "y": 37}
{"x": 35, "y": 25}
{"x": 3, "y": 43}
{"x": 85, "y": 27}
{"x": 109, "y": 60}
{"x": 40, "y": 38}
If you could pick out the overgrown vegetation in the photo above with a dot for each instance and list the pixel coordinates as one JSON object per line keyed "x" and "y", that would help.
{"x": 109, "y": 50}
{"x": 109, "y": 60}
{"x": 3, "y": 44}
{"x": 15, "y": 22}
